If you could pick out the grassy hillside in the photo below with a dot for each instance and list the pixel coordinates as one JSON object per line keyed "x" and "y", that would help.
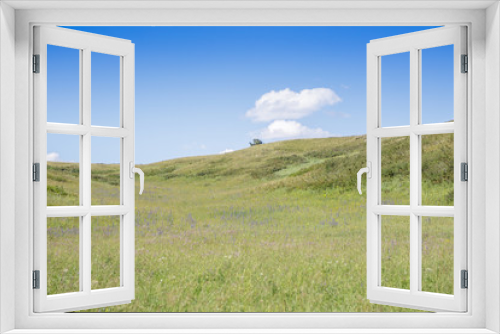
{"x": 274, "y": 227}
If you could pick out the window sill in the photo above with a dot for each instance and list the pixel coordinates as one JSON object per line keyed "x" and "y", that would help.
{"x": 251, "y": 331}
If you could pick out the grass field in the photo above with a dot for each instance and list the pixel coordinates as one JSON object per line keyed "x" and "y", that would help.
{"x": 277, "y": 227}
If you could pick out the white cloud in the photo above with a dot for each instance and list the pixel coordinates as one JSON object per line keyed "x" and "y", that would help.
{"x": 287, "y": 104}
{"x": 53, "y": 156}
{"x": 291, "y": 129}
{"x": 227, "y": 150}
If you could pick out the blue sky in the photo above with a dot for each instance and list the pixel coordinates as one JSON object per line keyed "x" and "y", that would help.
{"x": 205, "y": 90}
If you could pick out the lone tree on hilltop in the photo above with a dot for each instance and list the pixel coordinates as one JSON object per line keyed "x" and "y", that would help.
{"x": 256, "y": 142}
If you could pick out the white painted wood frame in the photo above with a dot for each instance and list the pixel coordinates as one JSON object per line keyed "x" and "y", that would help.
{"x": 482, "y": 18}
{"x": 414, "y": 43}
{"x": 86, "y": 43}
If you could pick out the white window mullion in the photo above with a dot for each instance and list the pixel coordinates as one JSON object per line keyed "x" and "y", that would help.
{"x": 123, "y": 167}
{"x": 418, "y": 120}
{"x": 40, "y": 156}
{"x": 67, "y": 129}
{"x": 127, "y": 99}
{"x": 79, "y": 130}
{"x": 421, "y": 129}
{"x": 372, "y": 184}
{"x": 414, "y": 172}
{"x": 460, "y": 155}
{"x": 406, "y": 210}
{"x": 434, "y": 129}
{"x": 81, "y": 219}
{"x": 86, "y": 165}
{"x": 378, "y": 253}
{"x": 392, "y": 210}
{"x": 395, "y": 131}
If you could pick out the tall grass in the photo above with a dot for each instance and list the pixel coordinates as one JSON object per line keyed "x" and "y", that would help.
{"x": 272, "y": 228}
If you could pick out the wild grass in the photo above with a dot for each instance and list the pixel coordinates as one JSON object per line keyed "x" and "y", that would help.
{"x": 273, "y": 228}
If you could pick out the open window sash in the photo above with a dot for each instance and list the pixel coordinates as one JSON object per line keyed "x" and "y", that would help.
{"x": 85, "y": 297}
{"x": 415, "y": 298}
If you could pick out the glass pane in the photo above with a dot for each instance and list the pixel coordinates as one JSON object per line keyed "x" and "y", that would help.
{"x": 105, "y": 252}
{"x": 63, "y": 170}
{"x": 395, "y": 170}
{"x": 437, "y": 169}
{"x": 437, "y": 254}
{"x": 437, "y": 84}
{"x": 106, "y": 171}
{"x": 63, "y": 85}
{"x": 395, "y": 252}
{"x": 105, "y": 90}
{"x": 63, "y": 255}
{"x": 395, "y": 89}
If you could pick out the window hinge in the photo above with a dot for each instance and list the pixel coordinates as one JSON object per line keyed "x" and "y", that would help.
{"x": 36, "y": 279}
{"x": 36, "y": 172}
{"x": 36, "y": 63}
{"x": 465, "y": 279}
{"x": 465, "y": 64}
{"x": 464, "y": 171}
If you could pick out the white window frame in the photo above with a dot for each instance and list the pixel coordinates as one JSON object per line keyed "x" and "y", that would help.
{"x": 414, "y": 44}
{"x": 85, "y": 297}
{"x": 483, "y": 21}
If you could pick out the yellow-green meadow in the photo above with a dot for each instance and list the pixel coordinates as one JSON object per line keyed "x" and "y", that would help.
{"x": 277, "y": 227}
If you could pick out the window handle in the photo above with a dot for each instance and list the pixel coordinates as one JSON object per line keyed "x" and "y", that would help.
{"x": 134, "y": 170}
{"x": 368, "y": 171}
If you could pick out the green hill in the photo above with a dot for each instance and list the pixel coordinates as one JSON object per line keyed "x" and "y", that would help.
{"x": 277, "y": 227}
{"x": 313, "y": 164}
{"x": 302, "y": 163}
